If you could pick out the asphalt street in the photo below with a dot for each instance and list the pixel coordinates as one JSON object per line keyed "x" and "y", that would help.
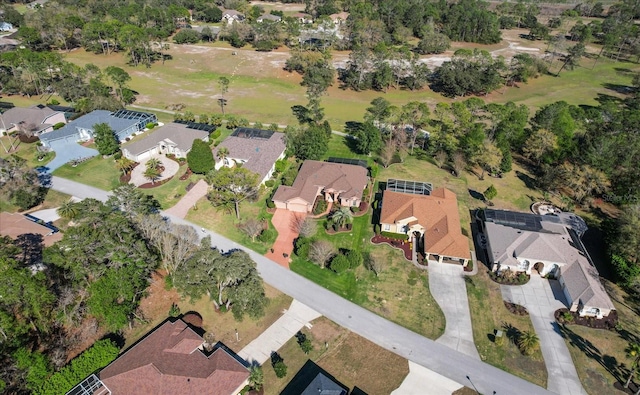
{"x": 450, "y": 363}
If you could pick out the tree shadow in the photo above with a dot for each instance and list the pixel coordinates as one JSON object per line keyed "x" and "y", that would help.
{"x": 610, "y": 363}
{"x": 607, "y": 99}
{"x": 31, "y": 245}
{"x": 476, "y": 195}
{"x": 529, "y": 182}
{"x": 618, "y": 88}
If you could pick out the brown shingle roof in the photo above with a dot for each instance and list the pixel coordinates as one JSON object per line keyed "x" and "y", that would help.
{"x": 348, "y": 180}
{"x": 179, "y": 134}
{"x": 437, "y": 213}
{"x": 14, "y": 225}
{"x": 30, "y": 116}
{"x": 259, "y": 154}
{"x": 169, "y": 362}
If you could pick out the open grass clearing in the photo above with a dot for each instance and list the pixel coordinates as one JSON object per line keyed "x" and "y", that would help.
{"x": 170, "y": 193}
{"x": 351, "y": 359}
{"x": 598, "y": 354}
{"x": 98, "y": 172}
{"x": 25, "y": 151}
{"x": 488, "y": 314}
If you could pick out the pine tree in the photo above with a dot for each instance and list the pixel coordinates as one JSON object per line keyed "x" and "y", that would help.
{"x": 200, "y": 158}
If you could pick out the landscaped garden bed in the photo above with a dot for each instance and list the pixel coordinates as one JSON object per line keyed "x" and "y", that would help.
{"x": 564, "y": 316}
{"x": 403, "y": 245}
{"x": 150, "y": 185}
{"x": 507, "y": 277}
{"x": 516, "y": 309}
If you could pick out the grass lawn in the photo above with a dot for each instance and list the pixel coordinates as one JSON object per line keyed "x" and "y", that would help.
{"x": 351, "y": 359}
{"x": 400, "y": 293}
{"x": 598, "y": 354}
{"x": 170, "y": 193}
{"x": 52, "y": 200}
{"x": 97, "y": 172}
{"x": 25, "y": 151}
{"x": 226, "y": 223}
{"x": 488, "y": 313}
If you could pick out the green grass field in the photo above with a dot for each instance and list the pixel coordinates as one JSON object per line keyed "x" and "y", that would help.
{"x": 98, "y": 172}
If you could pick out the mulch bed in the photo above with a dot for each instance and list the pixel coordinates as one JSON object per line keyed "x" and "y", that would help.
{"x": 362, "y": 209}
{"x": 157, "y": 184}
{"x": 516, "y": 309}
{"x": 609, "y": 322}
{"x": 332, "y": 231}
{"x": 395, "y": 243}
{"x": 186, "y": 174}
{"x": 125, "y": 179}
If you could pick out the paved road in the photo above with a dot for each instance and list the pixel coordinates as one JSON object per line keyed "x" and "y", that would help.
{"x": 542, "y": 300}
{"x": 437, "y": 357}
{"x": 78, "y": 190}
{"x": 446, "y": 283}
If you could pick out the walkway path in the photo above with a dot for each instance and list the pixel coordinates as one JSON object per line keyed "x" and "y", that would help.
{"x": 189, "y": 200}
{"x": 419, "y": 377}
{"x": 446, "y": 283}
{"x": 296, "y": 317}
{"x": 443, "y": 360}
{"x": 542, "y": 298}
{"x": 282, "y": 221}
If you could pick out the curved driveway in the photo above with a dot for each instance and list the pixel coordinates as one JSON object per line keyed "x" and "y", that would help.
{"x": 437, "y": 357}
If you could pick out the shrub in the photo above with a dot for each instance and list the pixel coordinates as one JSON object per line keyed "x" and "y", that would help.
{"x": 200, "y": 157}
{"x": 320, "y": 207}
{"x": 339, "y": 264}
{"x": 58, "y": 125}
{"x": 304, "y": 342}
{"x": 270, "y": 203}
{"x": 281, "y": 165}
{"x": 267, "y": 236}
{"x": 117, "y": 155}
{"x": 151, "y": 125}
{"x": 301, "y": 247}
{"x": 54, "y": 102}
{"x": 376, "y": 229}
{"x": 278, "y": 365}
{"x": 174, "y": 311}
{"x": 355, "y": 258}
{"x": 269, "y": 183}
{"x": 396, "y": 236}
{"x": 491, "y": 193}
{"x": 567, "y": 316}
{"x": 289, "y": 176}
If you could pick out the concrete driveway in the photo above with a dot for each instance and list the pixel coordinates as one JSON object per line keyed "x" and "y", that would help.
{"x": 446, "y": 283}
{"x": 188, "y": 201}
{"x": 542, "y": 298}
{"x": 170, "y": 169}
{"x": 282, "y": 220}
{"x": 417, "y": 379}
{"x": 297, "y": 316}
{"x": 67, "y": 151}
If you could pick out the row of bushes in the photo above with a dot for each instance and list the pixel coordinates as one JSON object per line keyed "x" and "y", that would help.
{"x": 392, "y": 235}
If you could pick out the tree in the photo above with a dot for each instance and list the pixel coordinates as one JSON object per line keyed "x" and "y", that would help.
{"x": 572, "y": 59}
{"x": 20, "y": 184}
{"x": 131, "y": 201}
{"x": 232, "y": 185}
{"x": 223, "y": 84}
{"x": 321, "y": 252}
{"x": 387, "y": 152}
{"x": 528, "y": 342}
{"x": 367, "y": 137}
{"x": 252, "y": 228}
{"x": 68, "y": 209}
{"x": 152, "y": 173}
{"x": 222, "y": 154}
{"x": 256, "y": 377}
{"x": 490, "y": 158}
{"x": 231, "y": 281}
{"x": 119, "y": 77}
{"x": 310, "y": 143}
{"x": 125, "y": 165}
{"x": 626, "y": 242}
{"x": 633, "y": 352}
{"x": 303, "y": 226}
{"x": 433, "y": 43}
{"x": 539, "y": 144}
{"x": 200, "y": 158}
{"x": 458, "y": 163}
{"x": 105, "y": 139}
{"x": 490, "y": 193}
{"x": 304, "y": 342}
{"x": 339, "y": 263}
{"x": 355, "y": 258}
{"x": 278, "y": 365}
{"x": 341, "y": 217}
{"x": 187, "y": 36}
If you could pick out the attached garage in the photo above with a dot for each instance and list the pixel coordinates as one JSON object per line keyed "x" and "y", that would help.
{"x": 296, "y": 205}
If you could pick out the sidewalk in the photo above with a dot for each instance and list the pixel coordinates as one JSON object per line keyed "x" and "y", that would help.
{"x": 260, "y": 349}
{"x": 189, "y": 200}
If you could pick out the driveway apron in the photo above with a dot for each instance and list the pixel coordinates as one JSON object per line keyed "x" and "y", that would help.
{"x": 67, "y": 151}
{"x": 541, "y": 301}
{"x": 446, "y": 283}
{"x": 283, "y": 246}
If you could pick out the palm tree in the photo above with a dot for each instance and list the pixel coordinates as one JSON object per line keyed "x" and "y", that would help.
{"x": 256, "y": 377}
{"x": 152, "y": 174}
{"x": 222, "y": 154}
{"x": 342, "y": 216}
{"x": 528, "y": 342}
{"x": 68, "y": 210}
{"x": 125, "y": 165}
{"x": 633, "y": 351}
{"x": 153, "y": 163}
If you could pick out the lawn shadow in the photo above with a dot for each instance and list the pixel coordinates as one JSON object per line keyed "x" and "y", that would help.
{"x": 606, "y": 99}
{"x": 618, "y": 88}
{"x": 610, "y": 363}
{"x": 476, "y": 195}
{"x": 527, "y": 179}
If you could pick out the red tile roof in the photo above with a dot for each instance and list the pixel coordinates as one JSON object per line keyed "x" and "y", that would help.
{"x": 169, "y": 361}
{"x": 437, "y": 213}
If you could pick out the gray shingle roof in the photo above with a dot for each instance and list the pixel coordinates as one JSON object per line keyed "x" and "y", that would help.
{"x": 323, "y": 385}
{"x": 32, "y": 115}
{"x": 179, "y": 134}
{"x": 88, "y": 121}
{"x": 259, "y": 154}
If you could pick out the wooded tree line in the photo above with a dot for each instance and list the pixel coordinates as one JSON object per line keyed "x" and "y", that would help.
{"x": 57, "y": 297}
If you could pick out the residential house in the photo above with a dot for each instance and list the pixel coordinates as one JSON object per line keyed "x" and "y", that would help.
{"x": 336, "y": 182}
{"x": 5, "y": 27}
{"x": 230, "y": 16}
{"x": 429, "y": 217}
{"x": 339, "y": 19}
{"x": 37, "y": 119}
{"x": 123, "y": 122}
{"x": 215, "y": 30}
{"x": 8, "y": 44}
{"x": 311, "y": 379}
{"x": 303, "y": 18}
{"x": 37, "y": 4}
{"x": 172, "y": 138}
{"x": 549, "y": 245}
{"x": 268, "y": 17}
{"x": 255, "y": 149}
{"x": 14, "y": 225}
{"x": 174, "y": 359}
